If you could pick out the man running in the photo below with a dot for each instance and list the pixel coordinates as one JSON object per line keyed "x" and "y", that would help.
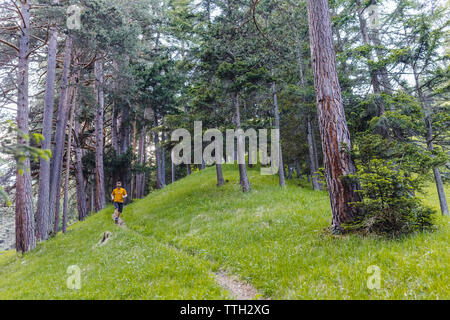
{"x": 117, "y": 196}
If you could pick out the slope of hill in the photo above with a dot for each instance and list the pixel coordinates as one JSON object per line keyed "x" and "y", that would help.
{"x": 178, "y": 238}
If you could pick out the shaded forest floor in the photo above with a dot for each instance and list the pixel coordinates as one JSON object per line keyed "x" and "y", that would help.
{"x": 179, "y": 238}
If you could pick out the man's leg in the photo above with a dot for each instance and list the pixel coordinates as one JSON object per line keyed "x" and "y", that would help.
{"x": 119, "y": 209}
{"x": 116, "y": 212}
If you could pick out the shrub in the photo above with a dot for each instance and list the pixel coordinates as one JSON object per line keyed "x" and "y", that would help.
{"x": 388, "y": 206}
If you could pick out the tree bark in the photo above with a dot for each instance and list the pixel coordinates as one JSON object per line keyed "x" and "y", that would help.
{"x": 159, "y": 183}
{"x": 332, "y": 121}
{"x": 67, "y": 173}
{"x": 57, "y": 161}
{"x": 100, "y": 200}
{"x": 114, "y": 131}
{"x": 297, "y": 169}
{"x": 43, "y": 204}
{"x": 163, "y": 158}
{"x": 290, "y": 170}
{"x": 132, "y": 194}
{"x": 245, "y": 183}
{"x": 80, "y": 181}
{"x": 310, "y": 135}
{"x": 276, "y": 114}
{"x": 141, "y": 152}
{"x": 25, "y": 225}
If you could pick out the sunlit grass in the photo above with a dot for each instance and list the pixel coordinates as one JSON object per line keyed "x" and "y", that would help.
{"x": 273, "y": 238}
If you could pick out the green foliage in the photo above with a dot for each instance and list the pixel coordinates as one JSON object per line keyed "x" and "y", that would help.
{"x": 22, "y": 151}
{"x": 389, "y": 206}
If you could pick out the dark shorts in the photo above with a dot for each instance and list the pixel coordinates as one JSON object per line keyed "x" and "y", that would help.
{"x": 119, "y": 206}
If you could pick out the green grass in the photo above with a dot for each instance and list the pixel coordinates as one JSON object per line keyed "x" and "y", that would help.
{"x": 270, "y": 237}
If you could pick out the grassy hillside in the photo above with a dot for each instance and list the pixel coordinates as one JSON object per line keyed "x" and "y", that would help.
{"x": 274, "y": 239}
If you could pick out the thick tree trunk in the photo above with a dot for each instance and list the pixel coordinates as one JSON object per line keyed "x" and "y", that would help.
{"x": 25, "y": 225}
{"x": 333, "y": 125}
{"x": 245, "y": 183}
{"x": 58, "y": 151}
{"x": 43, "y": 204}
{"x": 276, "y": 115}
{"x": 100, "y": 200}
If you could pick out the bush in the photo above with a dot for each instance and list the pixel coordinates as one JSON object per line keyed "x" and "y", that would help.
{"x": 388, "y": 206}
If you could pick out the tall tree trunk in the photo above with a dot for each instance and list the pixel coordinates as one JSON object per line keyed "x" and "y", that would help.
{"x": 220, "y": 180}
{"x": 114, "y": 131}
{"x": 100, "y": 200}
{"x": 173, "y": 170}
{"x": 80, "y": 181}
{"x": 429, "y": 139}
{"x": 245, "y": 183}
{"x": 203, "y": 165}
{"x": 219, "y": 173}
{"x": 163, "y": 158}
{"x": 132, "y": 194}
{"x": 58, "y": 151}
{"x": 290, "y": 170}
{"x": 67, "y": 173}
{"x": 297, "y": 169}
{"x": 92, "y": 196}
{"x": 333, "y": 125}
{"x": 141, "y": 153}
{"x": 311, "y": 141}
{"x": 158, "y": 155}
{"x": 276, "y": 114}
{"x": 25, "y": 225}
{"x": 43, "y": 204}
{"x": 159, "y": 184}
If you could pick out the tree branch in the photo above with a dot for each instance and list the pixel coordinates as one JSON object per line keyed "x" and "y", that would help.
{"x": 9, "y": 44}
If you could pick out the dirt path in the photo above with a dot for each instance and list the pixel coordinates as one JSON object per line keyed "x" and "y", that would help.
{"x": 238, "y": 289}
{"x": 121, "y": 223}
